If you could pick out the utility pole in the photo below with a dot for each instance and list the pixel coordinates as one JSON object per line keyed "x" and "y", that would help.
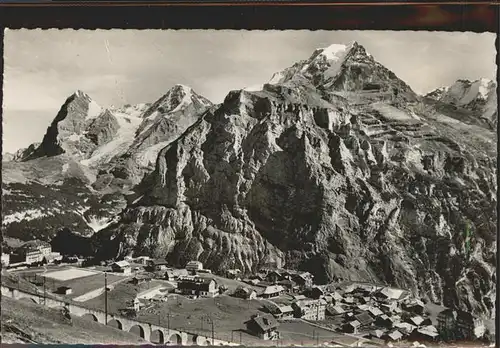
{"x": 44, "y": 292}
{"x": 213, "y": 341}
{"x": 168, "y": 322}
{"x": 314, "y": 335}
{"x": 105, "y": 298}
{"x": 240, "y": 337}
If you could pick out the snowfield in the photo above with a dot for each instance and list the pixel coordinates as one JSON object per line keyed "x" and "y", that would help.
{"x": 149, "y": 155}
{"x": 94, "y": 110}
{"x": 120, "y": 143}
{"x": 27, "y": 215}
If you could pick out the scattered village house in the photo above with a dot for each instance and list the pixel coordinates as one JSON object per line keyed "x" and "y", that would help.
{"x": 174, "y": 274}
{"x": 316, "y": 292}
{"x": 425, "y": 334}
{"x": 156, "y": 293}
{"x": 195, "y": 286}
{"x": 394, "y": 335}
{"x": 351, "y": 327}
{"x": 334, "y": 310}
{"x": 245, "y": 293}
{"x": 282, "y": 312}
{"x": 233, "y": 273}
{"x": 419, "y": 321}
{"x": 274, "y": 276}
{"x": 143, "y": 260}
{"x": 157, "y": 265}
{"x": 289, "y": 285}
{"x": 304, "y": 279}
{"x": 310, "y": 309}
{"x": 140, "y": 279}
{"x": 365, "y": 319}
{"x": 264, "y": 326}
{"x": 272, "y": 291}
{"x": 194, "y": 266}
{"x": 121, "y": 267}
{"x": 391, "y": 294}
{"x": 414, "y": 306}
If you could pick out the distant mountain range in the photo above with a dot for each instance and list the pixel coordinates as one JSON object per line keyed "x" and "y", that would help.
{"x": 335, "y": 166}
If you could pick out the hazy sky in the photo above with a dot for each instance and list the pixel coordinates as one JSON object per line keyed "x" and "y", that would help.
{"x": 116, "y": 67}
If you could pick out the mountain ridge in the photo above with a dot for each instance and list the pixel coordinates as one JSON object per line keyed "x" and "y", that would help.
{"x": 341, "y": 170}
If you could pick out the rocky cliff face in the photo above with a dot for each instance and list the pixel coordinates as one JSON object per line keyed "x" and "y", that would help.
{"x": 313, "y": 173}
{"x": 162, "y": 123}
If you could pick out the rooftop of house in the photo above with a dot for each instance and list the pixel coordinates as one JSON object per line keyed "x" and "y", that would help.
{"x": 265, "y": 322}
{"x": 242, "y": 289}
{"x": 121, "y": 264}
{"x": 429, "y": 330}
{"x": 193, "y": 263}
{"x": 195, "y": 280}
{"x": 417, "y": 320}
{"x": 395, "y": 335}
{"x": 354, "y": 323}
{"x": 375, "y": 311}
{"x": 336, "y": 309}
{"x": 364, "y": 318}
{"x": 272, "y": 289}
{"x": 159, "y": 262}
{"x": 285, "y": 309}
{"x": 393, "y": 294}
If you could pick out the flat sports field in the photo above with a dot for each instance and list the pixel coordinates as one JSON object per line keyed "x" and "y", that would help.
{"x": 68, "y": 274}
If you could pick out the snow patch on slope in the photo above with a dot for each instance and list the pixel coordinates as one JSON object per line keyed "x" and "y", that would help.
{"x": 120, "y": 143}
{"x": 254, "y": 88}
{"x": 97, "y": 224}
{"x": 94, "y": 110}
{"x": 149, "y": 155}
{"x": 27, "y": 215}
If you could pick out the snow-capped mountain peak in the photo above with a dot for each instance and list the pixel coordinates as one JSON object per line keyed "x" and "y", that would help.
{"x": 463, "y": 91}
{"x": 478, "y": 96}
{"x": 336, "y": 51}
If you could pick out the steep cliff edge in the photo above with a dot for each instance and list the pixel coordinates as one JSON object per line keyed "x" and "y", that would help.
{"x": 332, "y": 171}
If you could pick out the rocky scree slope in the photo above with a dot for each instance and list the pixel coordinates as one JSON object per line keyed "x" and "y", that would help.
{"x": 318, "y": 172}
{"x": 75, "y": 178}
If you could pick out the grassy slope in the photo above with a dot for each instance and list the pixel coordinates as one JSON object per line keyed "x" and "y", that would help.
{"x": 26, "y": 322}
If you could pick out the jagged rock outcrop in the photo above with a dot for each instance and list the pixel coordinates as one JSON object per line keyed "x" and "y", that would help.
{"x": 163, "y": 122}
{"x": 353, "y": 187}
{"x": 103, "y": 129}
{"x": 66, "y": 134}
